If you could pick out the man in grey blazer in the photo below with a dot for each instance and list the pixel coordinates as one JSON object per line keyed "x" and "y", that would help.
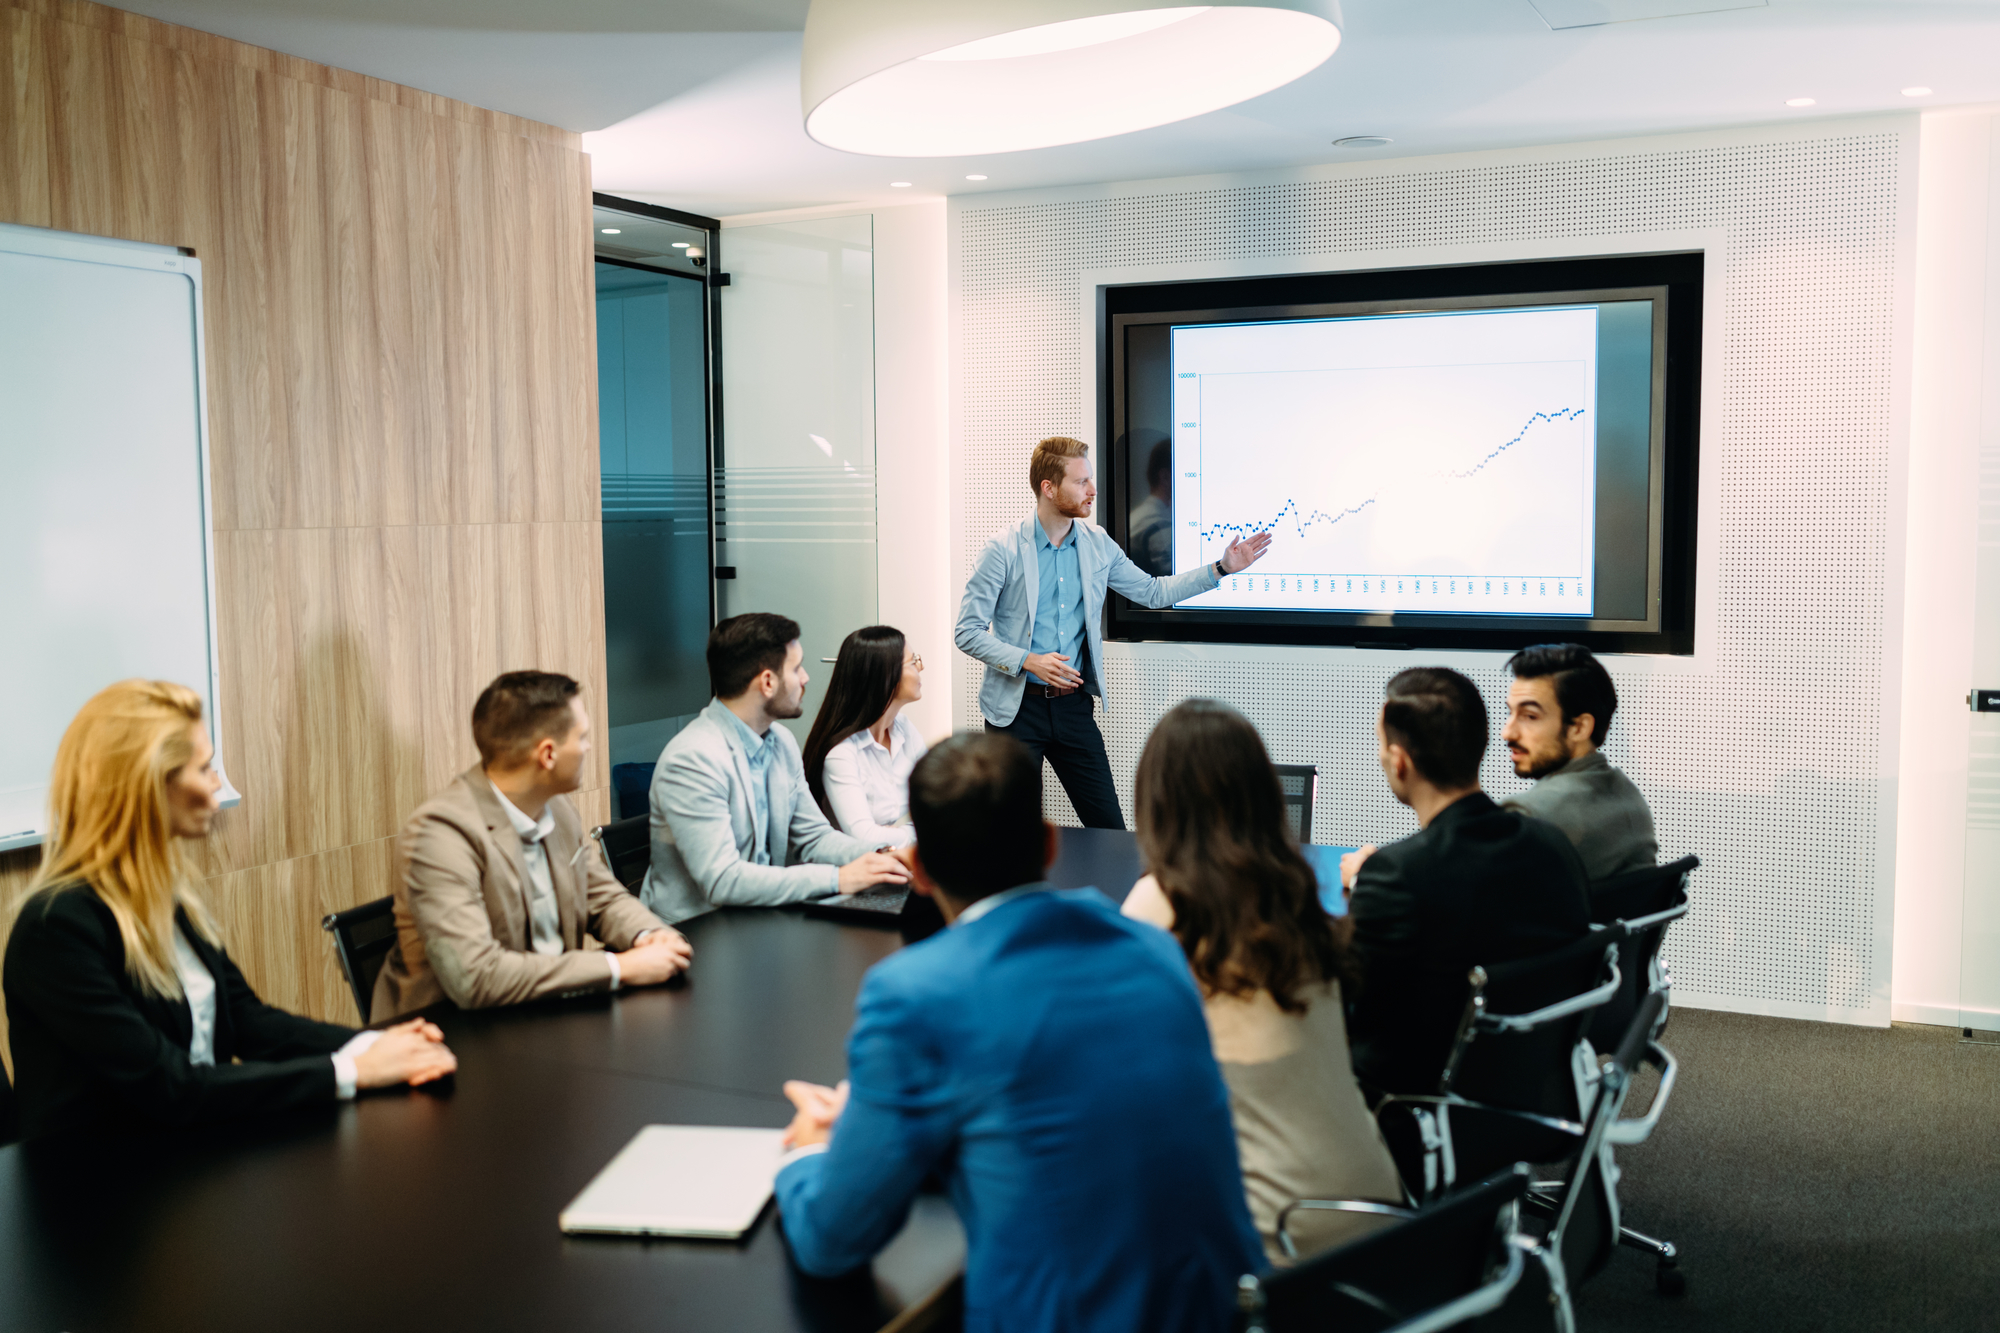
{"x": 1558, "y": 712}
{"x": 1033, "y": 612}
{"x": 499, "y": 882}
{"x": 734, "y": 824}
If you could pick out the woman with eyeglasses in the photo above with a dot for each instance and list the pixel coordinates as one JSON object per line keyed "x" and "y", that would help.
{"x": 123, "y": 1007}
{"x": 861, "y": 750}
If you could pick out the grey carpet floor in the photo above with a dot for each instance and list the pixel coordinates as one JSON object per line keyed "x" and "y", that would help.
{"x": 1815, "y": 1177}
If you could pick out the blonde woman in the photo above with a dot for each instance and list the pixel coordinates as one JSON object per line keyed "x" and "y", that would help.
{"x": 1229, "y": 883}
{"x": 122, "y": 1005}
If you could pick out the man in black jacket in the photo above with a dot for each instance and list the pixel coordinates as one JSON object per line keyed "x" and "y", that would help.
{"x": 1475, "y": 884}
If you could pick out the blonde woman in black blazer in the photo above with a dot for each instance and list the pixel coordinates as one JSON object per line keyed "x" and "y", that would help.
{"x": 123, "y": 1007}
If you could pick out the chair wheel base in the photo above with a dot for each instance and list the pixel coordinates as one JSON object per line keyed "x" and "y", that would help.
{"x": 1670, "y": 1280}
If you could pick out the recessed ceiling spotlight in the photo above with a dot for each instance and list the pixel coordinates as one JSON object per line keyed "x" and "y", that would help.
{"x": 1801, "y": 101}
{"x": 680, "y": 245}
{"x": 965, "y": 78}
{"x": 1363, "y": 141}
{"x": 899, "y": 185}
{"x": 609, "y": 231}
{"x": 1918, "y": 91}
{"x": 975, "y": 178}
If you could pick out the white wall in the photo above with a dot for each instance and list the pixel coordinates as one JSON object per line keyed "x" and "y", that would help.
{"x": 912, "y": 461}
{"x": 1948, "y": 857}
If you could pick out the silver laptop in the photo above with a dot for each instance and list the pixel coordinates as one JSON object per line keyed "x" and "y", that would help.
{"x": 680, "y": 1180}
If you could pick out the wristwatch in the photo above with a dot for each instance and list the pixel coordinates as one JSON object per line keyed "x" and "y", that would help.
{"x": 1220, "y": 572}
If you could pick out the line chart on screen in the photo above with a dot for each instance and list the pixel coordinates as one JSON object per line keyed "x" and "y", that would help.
{"x": 1428, "y": 463}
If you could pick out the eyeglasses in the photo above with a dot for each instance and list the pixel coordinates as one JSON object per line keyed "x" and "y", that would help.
{"x": 916, "y": 660}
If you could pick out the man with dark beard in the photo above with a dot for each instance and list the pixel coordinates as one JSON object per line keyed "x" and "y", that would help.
{"x": 1558, "y": 711}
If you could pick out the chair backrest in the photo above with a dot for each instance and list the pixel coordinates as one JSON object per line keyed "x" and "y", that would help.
{"x": 362, "y": 938}
{"x": 10, "y": 1119}
{"x": 627, "y": 845}
{"x": 1300, "y": 784}
{"x": 1447, "y": 1265}
{"x": 1647, "y": 902}
{"x": 1517, "y": 1044}
{"x": 632, "y": 784}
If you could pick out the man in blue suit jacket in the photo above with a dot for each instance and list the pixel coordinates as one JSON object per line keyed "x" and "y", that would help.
{"x": 1048, "y": 1058}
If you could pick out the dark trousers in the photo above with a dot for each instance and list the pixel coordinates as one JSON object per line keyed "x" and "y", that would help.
{"x": 1064, "y": 731}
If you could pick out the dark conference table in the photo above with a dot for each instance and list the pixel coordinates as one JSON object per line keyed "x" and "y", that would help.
{"x": 436, "y": 1211}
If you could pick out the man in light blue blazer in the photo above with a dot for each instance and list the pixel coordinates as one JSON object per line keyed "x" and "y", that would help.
{"x": 733, "y": 822}
{"x": 1048, "y": 1058}
{"x": 1033, "y": 612}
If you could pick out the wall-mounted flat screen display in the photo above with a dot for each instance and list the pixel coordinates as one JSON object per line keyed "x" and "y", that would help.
{"x": 1474, "y": 457}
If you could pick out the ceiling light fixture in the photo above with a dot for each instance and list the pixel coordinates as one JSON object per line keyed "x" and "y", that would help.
{"x": 609, "y": 231}
{"x": 899, "y": 185}
{"x": 1801, "y": 101}
{"x": 975, "y": 178}
{"x": 680, "y": 245}
{"x": 959, "y": 78}
{"x": 1363, "y": 141}
{"x": 1918, "y": 91}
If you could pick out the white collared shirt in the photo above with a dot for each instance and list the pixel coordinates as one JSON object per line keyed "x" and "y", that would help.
{"x": 868, "y": 785}
{"x": 198, "y": 986}
{"x": 982, "y": 906}
{"x": 544, "y": 921}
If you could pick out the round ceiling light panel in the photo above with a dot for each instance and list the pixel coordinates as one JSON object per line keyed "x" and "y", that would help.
{"x": 955, "y": 78}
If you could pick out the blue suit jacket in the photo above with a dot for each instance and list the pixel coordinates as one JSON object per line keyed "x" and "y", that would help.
{"x": 1050, "y": 1061}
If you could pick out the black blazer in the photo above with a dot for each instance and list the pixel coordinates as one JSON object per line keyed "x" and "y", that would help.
{"x": 92, "y": 1050}
{"x": 1479, "y": 885}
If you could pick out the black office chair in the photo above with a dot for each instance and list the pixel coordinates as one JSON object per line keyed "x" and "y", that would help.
{"x": 1299, "y": 783}
{"x": 10, "y": 1116}
{"x": 1515, "y": 1085}
{"x": 1646, "y": 902}
{"x": 632, "y": 785}
{"x": 1577, "y": 1216}
{"x": 362, "y": 938}
{"x": 627, "y": 848}
{"x": 1438, "y": 1269}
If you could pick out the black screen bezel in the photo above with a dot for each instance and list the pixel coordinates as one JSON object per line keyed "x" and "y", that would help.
{"x": 1680, "y": 273}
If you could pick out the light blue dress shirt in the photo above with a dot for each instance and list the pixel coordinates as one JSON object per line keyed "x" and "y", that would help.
{"x": 758, "y": 750}
{"x": 1058, "y": 599}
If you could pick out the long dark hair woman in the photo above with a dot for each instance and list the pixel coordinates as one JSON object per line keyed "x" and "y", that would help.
{"x": 861, "y": 749}
{"x": 1227, "y": 879}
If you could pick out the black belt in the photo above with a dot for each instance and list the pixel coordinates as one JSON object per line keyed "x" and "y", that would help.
{"x": 1041, "y": 691}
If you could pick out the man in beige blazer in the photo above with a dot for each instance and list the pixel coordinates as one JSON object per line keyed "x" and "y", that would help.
{"x": 499, "y": 883}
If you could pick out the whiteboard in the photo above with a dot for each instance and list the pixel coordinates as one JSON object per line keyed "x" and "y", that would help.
{"x": 106, "y": 558}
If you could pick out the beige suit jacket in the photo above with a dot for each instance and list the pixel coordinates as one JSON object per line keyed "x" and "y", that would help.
{"x": 462, "y": 908}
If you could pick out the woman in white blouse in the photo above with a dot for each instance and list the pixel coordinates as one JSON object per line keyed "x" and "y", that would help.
{"x": 124, "y": 1008}
{"x": 861, "y": 750}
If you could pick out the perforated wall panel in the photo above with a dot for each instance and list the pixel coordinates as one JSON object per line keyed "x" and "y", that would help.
{"x": 1769, "y": 763}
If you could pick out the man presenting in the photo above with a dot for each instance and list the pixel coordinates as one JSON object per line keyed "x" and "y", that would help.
{"x": 500, "y": 884}
{"x": 1033, "y": 613}
{"x": 734, "y": 823}
{"x": 1558, "y": 711}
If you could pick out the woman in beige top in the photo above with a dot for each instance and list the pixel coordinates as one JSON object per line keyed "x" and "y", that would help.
{"x": 1229, "y": 883}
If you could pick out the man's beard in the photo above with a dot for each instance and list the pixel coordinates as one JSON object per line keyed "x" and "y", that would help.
{"x": 1079, "y": 509}
{"x": 796, "y": 706}
{"x": 1540, "y": 763}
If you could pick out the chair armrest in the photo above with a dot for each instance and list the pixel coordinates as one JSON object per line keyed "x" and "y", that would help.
{"x": 1624, "y": 1133}
{"x": 1370, "y": 1206}
{"x": 1575, "y": 1004}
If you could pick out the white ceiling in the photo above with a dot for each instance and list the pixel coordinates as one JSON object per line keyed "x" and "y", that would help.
{"x": 695, "y": 103}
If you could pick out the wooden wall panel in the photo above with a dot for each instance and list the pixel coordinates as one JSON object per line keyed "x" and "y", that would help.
{"x": 401, "y": 356}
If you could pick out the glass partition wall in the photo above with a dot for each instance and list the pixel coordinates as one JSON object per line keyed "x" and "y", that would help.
{"x": 657, "y": 415}
{"x": 795, "y": 474}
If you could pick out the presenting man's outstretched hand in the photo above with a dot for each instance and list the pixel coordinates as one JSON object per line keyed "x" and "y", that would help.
{"x": 1245, "y": 552}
